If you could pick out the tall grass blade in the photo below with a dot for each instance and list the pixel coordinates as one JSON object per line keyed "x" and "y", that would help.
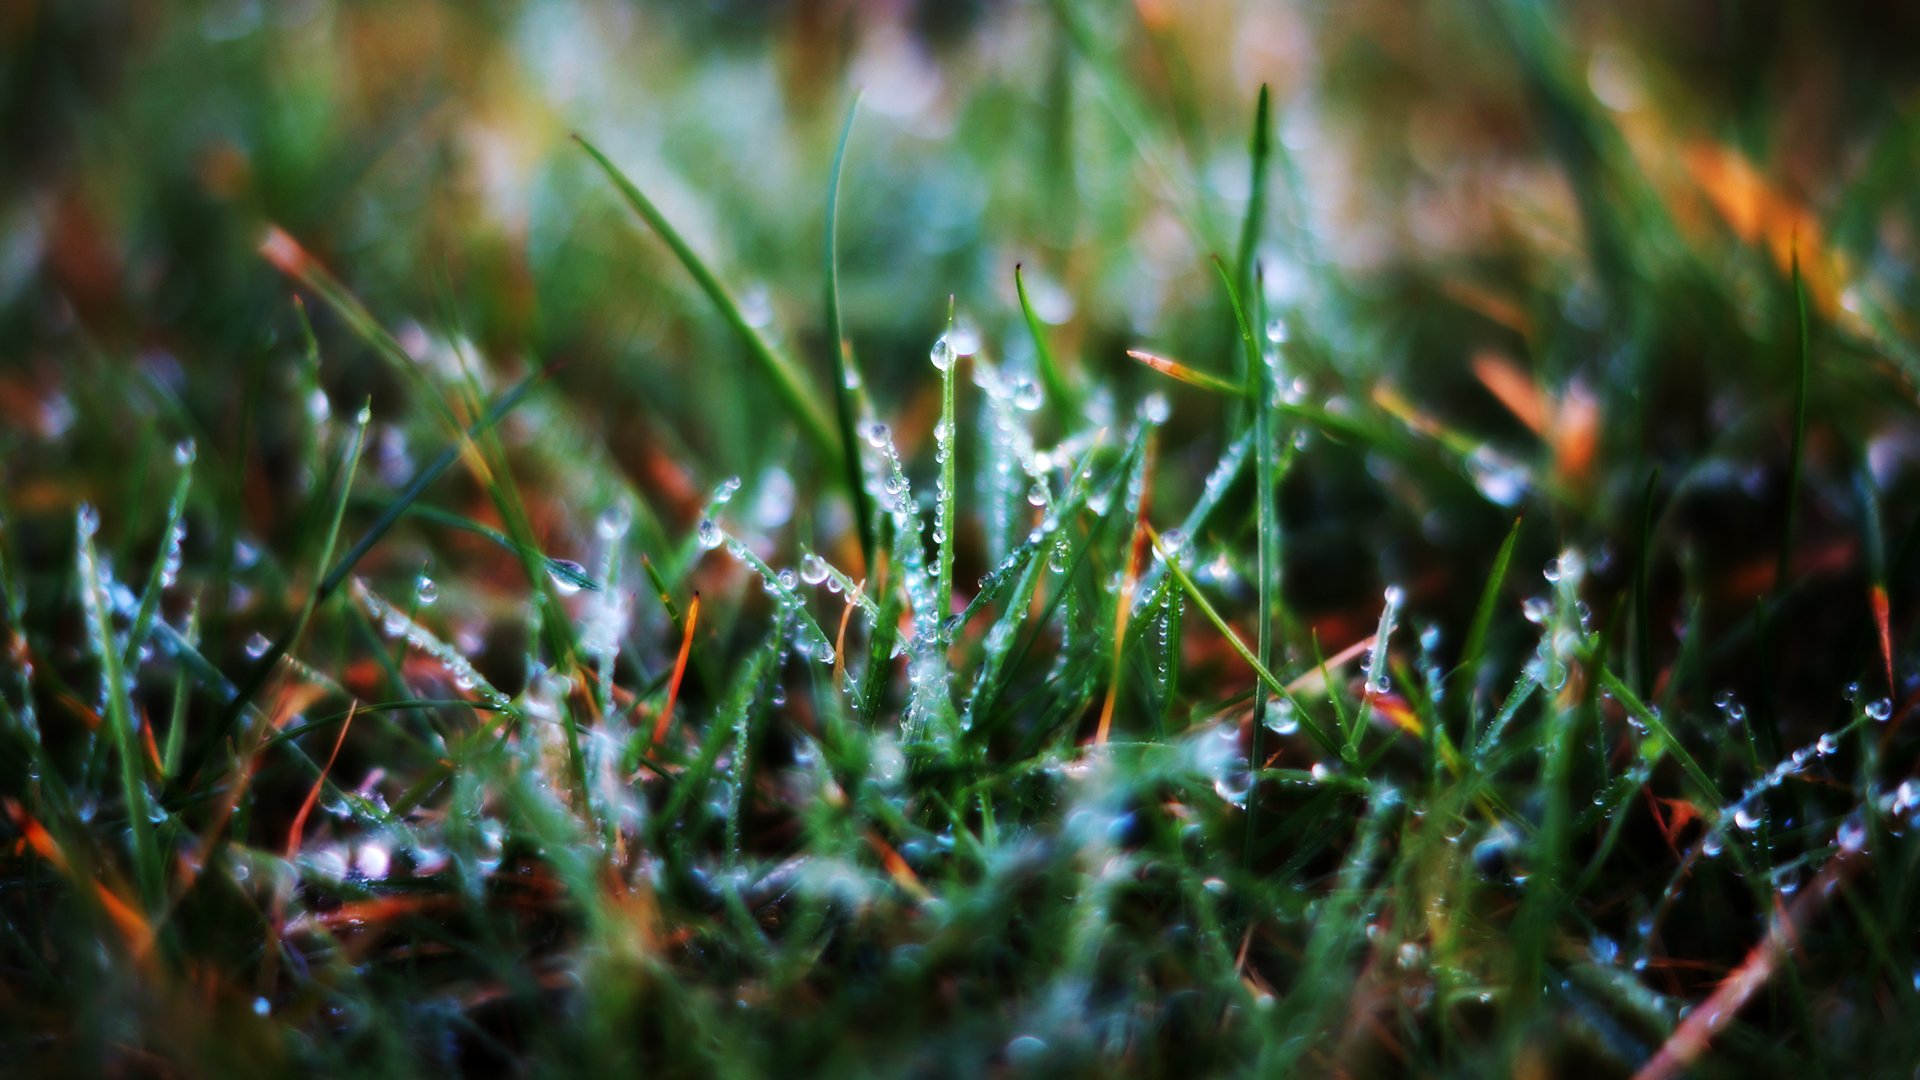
{"x": 846, "y": 374}
{"x": 780, "y": 371}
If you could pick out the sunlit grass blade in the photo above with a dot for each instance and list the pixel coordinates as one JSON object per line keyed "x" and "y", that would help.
{"x": 786, "y": 379}
{"x": 1174, "y": 369}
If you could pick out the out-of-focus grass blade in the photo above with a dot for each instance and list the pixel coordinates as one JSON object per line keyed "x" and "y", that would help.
{"x": 1642, "y": 599}
{"x": 1476, "y": 641}
{"x": 1797, "y": 454}
{"x": 786, "y": 378}
{"x": 1066, "y": 404}
{"x": 846, "y": 378}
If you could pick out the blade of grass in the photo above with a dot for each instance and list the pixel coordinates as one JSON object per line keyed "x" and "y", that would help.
{"x": 665, "y": 723}
{"x": 257, "y": 675}
{"x": 165, "y": 563}
{"x": 846, "y": 375}
{"x": 1259, "y": 390}
{"x": 1476, "y": 641}
{"x": 1311, "y": 726}
{"x": 1259, "y": 150}
{"x": 1066, "y": 404}
{"x": 1192, "y": 376}
{"x": 148, "y": 869}
{"x": 1642, "y": 596}
{"x": 779, "y": 370}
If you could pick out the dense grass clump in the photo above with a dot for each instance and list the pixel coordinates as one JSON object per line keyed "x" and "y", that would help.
{"x": 544, "y": 538}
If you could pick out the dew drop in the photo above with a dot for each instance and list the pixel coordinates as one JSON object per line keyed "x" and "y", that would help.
{"x": 709, "y": 533}
{"x": 257, "y": 645}
{"x": 563, "y": 572}
{"x": 813, "y": 569}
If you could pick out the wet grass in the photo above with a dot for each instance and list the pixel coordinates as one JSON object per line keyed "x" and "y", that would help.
{"x": 786, "y": 633}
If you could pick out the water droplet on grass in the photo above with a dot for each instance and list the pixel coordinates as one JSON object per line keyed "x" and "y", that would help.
{"x": 567, "y": 575}
{"x": 257, "y": 645}
{"x": 813, "y": 569}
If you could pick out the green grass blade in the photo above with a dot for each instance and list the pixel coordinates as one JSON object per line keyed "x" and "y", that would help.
{"x": 257, "y": 675}
{"x": 1476, "y": 640}
{"x": 164, "y": 563}
{"x": 149, "y": 871}
{"x": 1642, "y": 598}
{"x": 1066, "y": 404}
{"x": 1260, "y": 151}
{"x": 786, "y": 378}
{"x": 846, "y": 377}
{"x": 1307, "y": 723}
{"x": 1654, "y": 723}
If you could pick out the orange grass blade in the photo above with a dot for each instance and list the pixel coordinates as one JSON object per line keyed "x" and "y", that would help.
{"x": 38, "y": 838}
{"x": 132, "y": 925}
{"x": 1514, "y": 388}
{"x": 299, "y": 826}
{"x": 1691, "y": 1039}
{"x": 1174, "y": 369}
{"x": 665, "y": 721}
{"x": 1881, "y": 617}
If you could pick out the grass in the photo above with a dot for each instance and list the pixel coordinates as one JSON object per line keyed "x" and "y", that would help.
{"x": 464, "y": 632}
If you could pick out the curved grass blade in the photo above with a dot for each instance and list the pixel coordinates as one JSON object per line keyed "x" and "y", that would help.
{"x": 846, "y": 375}
{"x": 786, "y": 379}
{"x": 565, "y": 571}
{"x": 1066, "y": 404}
